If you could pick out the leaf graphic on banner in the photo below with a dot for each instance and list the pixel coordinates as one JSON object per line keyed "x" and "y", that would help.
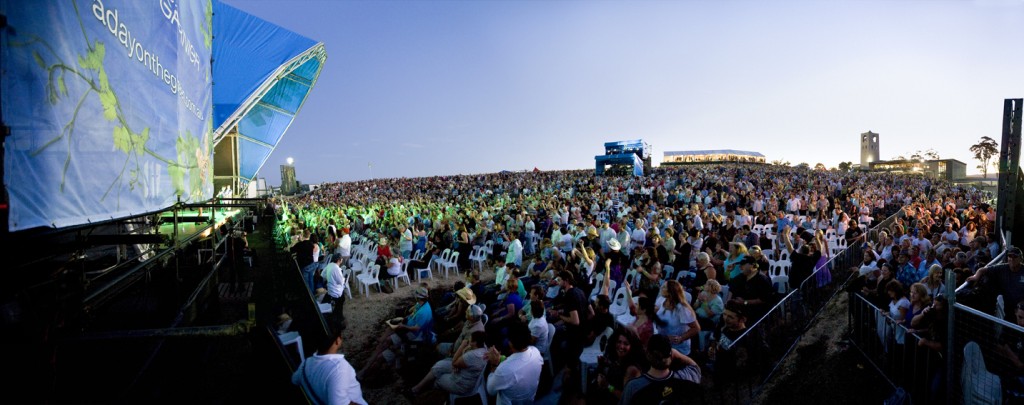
{"x": 94, "y": 57}
{"x": 177, "y": 178}
{"x": 107, "y": 98}
{"x": 122, "y": 139}
{"x": 39, "y": 59}
{"x": 139, "y": 141}
{"x": 61, "y": 87}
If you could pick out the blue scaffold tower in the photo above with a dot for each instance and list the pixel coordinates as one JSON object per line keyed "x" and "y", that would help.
{"x": 625, "y": 157}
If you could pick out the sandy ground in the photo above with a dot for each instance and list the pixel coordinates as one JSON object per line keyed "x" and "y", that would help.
{"x": 366, "y": 316}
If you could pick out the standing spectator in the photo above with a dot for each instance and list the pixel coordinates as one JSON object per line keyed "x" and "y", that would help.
{"x": 676, "y": 318}
{"x": 304, "y": 251}
{"x": 572, "y": 313}
{"x": 405, "y": 241}
{"x": 336, "y": 285}
{"x": 752, "y": 289}
{"x": 327, "y": 376}
{"x": 1007, "y": 278}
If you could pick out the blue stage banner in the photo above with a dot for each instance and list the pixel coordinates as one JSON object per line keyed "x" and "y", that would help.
{"x": 109, "y": 106}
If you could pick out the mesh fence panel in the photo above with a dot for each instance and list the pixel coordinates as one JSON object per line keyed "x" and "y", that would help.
{"x": 777, "y": 333}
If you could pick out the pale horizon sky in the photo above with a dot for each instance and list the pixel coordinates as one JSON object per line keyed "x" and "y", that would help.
{"x": 423, "y": 88}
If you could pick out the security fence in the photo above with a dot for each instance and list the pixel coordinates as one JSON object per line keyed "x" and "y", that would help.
{"x": 972, "y": 352}
{"x": 769, "y": 340}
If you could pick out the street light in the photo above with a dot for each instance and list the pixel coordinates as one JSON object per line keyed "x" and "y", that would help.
{"x": 290, "y": 160}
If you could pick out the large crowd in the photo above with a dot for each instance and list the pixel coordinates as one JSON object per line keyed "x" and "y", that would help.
{"x": 664, "y": 272}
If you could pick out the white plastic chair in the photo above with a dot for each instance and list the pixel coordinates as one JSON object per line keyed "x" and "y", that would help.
{"x": 293, "y": 338}
{"x": 404, "y": 274}
{"x": 630, "y": 279}
{"x": 478, "y": 257}
{"x": 619, "y": 305}
{"x": 451, "y": 264}
{"x": 979, "y": 385}
{"x": 588, "y": 359}
{"x": 546, "y": 355}
{"x": 668, "y": 270}
{"x": 481, "y": 390}
{"x": 369, "y": 278}
{"x": 782, "y": 283}
{"x": 437, "y": 261}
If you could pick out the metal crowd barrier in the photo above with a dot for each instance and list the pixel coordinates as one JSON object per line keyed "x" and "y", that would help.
{"x": 769, "y": 340}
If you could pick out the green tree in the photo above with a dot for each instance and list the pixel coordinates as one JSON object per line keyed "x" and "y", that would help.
{"x": 819, "y": 166}
{"x": 984, "y": 150}
{"x": 845, "y": 167}
{"x": 803, "y": 165}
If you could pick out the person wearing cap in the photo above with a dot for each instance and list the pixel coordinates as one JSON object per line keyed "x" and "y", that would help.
{"x": 752, "y": 289}
{"x": 1006, "y": 278}
{"x": 672, "y": 377}
{"x": 415, "y": 328}
{"x": 326, "y": 376}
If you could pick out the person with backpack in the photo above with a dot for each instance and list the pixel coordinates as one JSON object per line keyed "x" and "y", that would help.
{"x": 671, "y": 379}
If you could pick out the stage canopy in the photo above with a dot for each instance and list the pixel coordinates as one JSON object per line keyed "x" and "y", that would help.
{"x": 262, "y": 74}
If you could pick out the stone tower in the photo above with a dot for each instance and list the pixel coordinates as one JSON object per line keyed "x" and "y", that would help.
{"x": 868, "y": 149}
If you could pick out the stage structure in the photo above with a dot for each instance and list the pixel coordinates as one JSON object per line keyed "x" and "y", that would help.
{"x": 711, "y": 156}
{"x": 262, "y": 74}
{"x": 624, "y": 157}
{"x": 130, "y": 129}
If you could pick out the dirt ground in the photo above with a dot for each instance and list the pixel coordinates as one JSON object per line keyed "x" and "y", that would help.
{"x": 365, "y": 317}
{"x": 823, "y": 369}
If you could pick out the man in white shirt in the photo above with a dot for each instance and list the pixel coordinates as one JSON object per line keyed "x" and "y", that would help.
{"x": 515, "y": 250}
{"x": 335, "y": 286}
{"x": 538, "y": 326}
{"x": 327, "y": 377}
{"x": 607, "y": 234}
{"x": 345, "y": 246}
{"x": 515, "y": 380}
{"x": 639, "y": 235}
{"x": 530, "y": 228}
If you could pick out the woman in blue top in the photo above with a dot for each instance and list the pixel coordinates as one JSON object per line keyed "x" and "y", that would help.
{"x": 676, "y": 318}
{"x": 737, "y": 252}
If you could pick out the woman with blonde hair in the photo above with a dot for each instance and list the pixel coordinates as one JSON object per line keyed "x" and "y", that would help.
{"x": 676, "y": 318}
{"x": 933, "y": 281}
{"x": 737, "y": 252}
{"x": 710, "y": 306}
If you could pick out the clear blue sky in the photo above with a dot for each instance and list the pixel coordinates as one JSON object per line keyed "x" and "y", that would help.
{"x": 446, "y": 87}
